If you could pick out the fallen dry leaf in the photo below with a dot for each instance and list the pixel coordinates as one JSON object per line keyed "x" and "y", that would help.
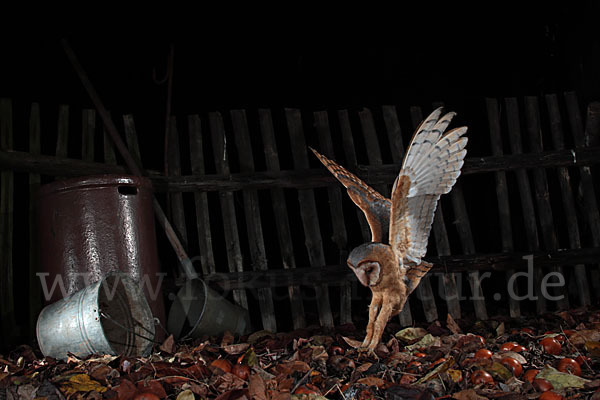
{"x": 186, "y": 395}
{"x": 81, "y": 383}
{"x": 452, "y": 325}
{"x": 468, "y": 394}
{"x": 168, "y": 346}
{"x": 256, "y": 388}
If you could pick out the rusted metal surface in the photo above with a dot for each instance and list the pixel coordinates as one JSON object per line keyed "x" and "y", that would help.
{"x": 91, "y": 226}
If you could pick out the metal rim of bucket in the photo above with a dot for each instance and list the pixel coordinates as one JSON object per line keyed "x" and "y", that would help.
{"x": 178, "y": 314}
{"x": 94, "y": 181}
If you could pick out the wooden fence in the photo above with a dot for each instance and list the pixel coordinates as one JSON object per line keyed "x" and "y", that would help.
{"x": 244, "y": 195}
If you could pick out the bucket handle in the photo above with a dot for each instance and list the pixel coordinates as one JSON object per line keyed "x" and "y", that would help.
{"x": 137, "y": 323}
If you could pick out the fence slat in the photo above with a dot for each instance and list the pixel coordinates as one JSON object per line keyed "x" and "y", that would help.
{"x": 531, "y": 232}
{"x": 372, "y": 146}
{"x": 284, "y": 233}
{"x": 232, "y": 238}
{"x": 308, "y": 212}
{"x": 506, "y": 234}
{"x": 62, "y": 137}
{"x": 394, "y": 134}
{"x": 540, "y": 182}
{"x": 334, "y": 194}
{"x": 176, "y": 199}
{"x": 7, "y": 304}
{"x": 252, "y": 215}
{"x": 590, "y": 204}
{"x": 564, "y": 180}
{"x": 131, "y": 139}
{"x": 35, "y": 147}
{"x": 88, "y": 131}
{"x": 351, "y": 164}
{"x": 108, "y": 146}
{"x": 207, "y": 258}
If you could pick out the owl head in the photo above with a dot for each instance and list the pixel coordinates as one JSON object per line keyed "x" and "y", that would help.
{"x": 367, "y": 262}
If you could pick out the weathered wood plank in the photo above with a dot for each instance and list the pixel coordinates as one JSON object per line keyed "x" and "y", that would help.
{"x": 35, "y": 147}
{"x": 62, "y": 137}
{"x": 308, "y": 212}
{"x": 591, "y": 222}
{"x": 108, "y": 148}
{"x": 542, "y": 195}
{"x": 504, "y": 214}
{"x": 284, "y": 233}
{"x": 176, "y": 199}
{"x": 7, "y": 303}
{"x": 336, "y": 274}
{"x": 232, "y": 238}
{"x": 352, "y": 164}
{"x": 253, "y": 219}
{"x": 372, "y": 146}
{"x": 88, "y": 132}
{"x": 19, "y": 161}
{"x": 131, "y": 139}
{"x": 334, "y": 194}
{"x": 207, "y": 258}
{"x": 564, "y": 179}
{"x": 528, "y": 210}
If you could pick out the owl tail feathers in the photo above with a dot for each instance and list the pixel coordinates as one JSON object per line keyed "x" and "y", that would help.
{"x": 414, "y": 275}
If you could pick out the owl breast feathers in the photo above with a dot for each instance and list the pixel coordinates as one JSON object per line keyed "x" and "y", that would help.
{"x": 390, "y": 265}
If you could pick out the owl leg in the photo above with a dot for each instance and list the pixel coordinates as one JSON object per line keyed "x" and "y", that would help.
{"x": 380, "y": 323}
{"x": 374, "y": 308}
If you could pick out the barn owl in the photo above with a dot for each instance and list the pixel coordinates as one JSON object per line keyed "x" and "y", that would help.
{"x": 390, "y": 265}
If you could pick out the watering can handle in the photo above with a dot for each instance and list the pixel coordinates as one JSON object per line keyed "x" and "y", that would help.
{"x": 135, "y": 169}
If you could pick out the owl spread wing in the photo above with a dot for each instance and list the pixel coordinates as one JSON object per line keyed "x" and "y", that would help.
{"x": 375, "y": 207}
{"x": 430, "y": 168}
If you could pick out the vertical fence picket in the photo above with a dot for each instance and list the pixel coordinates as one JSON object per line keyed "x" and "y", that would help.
{"x": 252, "y": 215}
{"x": 207, "y": 258}
{"x": 108, "y": 147}
{"x": 564, "y": 179}
{"x": 176, "y": 198}
{"x": 232, "y": 238}
{"x": 7, "y": 304}
{"x": 35, "y": 296}
{"x": 506, "y": 234}
{"x": 528, "y": 210}
{"x": 334, "y": 194}
{"x": 351, "y": 164}
{"x": 62, "y": 137}
{"x": 590, "y": 203}
{"x": 281, "y": 215}
{"x": 308, "y": 212}
{"x": 542, "y": 195}
{"x": 88, "y": 131}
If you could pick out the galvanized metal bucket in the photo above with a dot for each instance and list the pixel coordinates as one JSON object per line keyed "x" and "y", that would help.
{"x": 110, "y": 316}
{"x": 198, "y": 310}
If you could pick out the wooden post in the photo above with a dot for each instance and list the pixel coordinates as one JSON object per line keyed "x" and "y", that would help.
{"x": 334, "y": 194}
{"x": 280, "y": 211}
{"x": 131, "y": 139}
{"x": 62, "y": 139}
{"x": 176, "y": 199}
{"x": 531, "y": 233}
{"x": 308, "y": 211}
{"x": 352, "y": 165}
{"x": 564, "y": 179}
{"x": 252, "y": 215}
{"x": 108, "y": 147}
{"x": 35, "y": 294}
{"x": 232, "y": 238}
{"x": 7, "y": 304}
{"x": 591, "y": 222}
{"x": 88, "y": 131}
{"x": 207, "y": 258}
{"x": 542, "y": 195}
{"x": 502, "y": 195}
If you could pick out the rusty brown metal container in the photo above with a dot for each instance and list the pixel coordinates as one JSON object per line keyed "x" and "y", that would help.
{"x": 92, "y": 226}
